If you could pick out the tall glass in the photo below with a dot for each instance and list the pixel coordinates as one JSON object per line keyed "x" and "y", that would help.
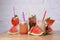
{"x": 23, "y": 28}
{"x": 32, "y": 21}
{"x": 15, "y": 22}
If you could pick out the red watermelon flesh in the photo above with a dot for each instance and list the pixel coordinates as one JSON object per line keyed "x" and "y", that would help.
{"x": 31, "y": 29}
{"x": 15, "y": 21}
{"x": 48, "y": 29}
{"x": 13, "y": 30}
{"x": 50, "y": 22}
{"x": 35, "y": 30}
{"x": 32, "y": 20}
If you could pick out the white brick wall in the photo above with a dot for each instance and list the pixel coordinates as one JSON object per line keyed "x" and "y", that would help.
{"x": 35, "y": 7}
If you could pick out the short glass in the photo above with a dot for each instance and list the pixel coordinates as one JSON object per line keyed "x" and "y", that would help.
{"x": 23, "y": 28}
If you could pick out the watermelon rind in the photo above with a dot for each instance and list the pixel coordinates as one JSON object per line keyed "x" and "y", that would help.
{"x": 36, "y": 34}
{"x": 12, "y": 33}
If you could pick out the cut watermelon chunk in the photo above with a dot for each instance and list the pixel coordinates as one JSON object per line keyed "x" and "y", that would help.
{"x": 13, "y": 30}
{"x": 31, "y": 30}
{"x": 36, "y": 31}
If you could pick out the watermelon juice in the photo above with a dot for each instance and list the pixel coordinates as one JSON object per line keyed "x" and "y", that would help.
{"x": 32, "y": 21}
{"x": 50, "y": 22}
{"x": 15, "y": 21}
{"x": 23, "y": 28}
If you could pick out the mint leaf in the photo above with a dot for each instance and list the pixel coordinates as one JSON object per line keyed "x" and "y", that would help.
{"x": 16, "y": 16}
{"x": 47, "y": 19}
{"x": 33, "y": 16}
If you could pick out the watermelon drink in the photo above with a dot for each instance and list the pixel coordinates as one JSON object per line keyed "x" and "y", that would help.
{"x": 23, "y": 28}
{"x": 49, "y": 24}
{"x": 23, "y": 25}
{"x": 15, "y": 22}
{"x": 32, "y": 21}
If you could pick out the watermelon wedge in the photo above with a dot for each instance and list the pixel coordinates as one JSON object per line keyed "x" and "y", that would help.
{"x": 13, "y": 30}
{"x": 35, "y": 30}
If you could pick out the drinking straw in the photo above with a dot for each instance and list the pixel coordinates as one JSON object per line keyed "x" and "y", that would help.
{"x": 14, "y": 10}
{"x": 29, "y": 12}
{"x": 44, "y": 16}
{"x": 23, "y": 16}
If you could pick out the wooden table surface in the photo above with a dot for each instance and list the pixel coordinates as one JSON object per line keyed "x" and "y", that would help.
{"x": 54, "y": 36}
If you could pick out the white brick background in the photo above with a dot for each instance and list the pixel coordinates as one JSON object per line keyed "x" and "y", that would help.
{"x": 35, "y": 7}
